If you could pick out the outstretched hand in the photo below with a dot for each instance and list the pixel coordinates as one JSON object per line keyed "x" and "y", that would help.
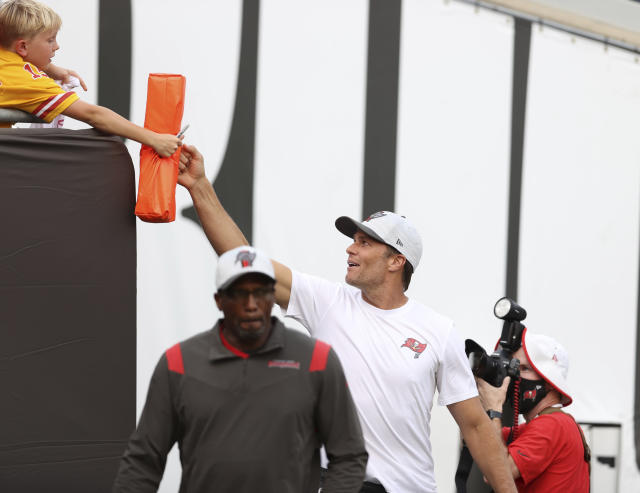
{"x": 191, "y": 167}
{"x": 166, "y": 144}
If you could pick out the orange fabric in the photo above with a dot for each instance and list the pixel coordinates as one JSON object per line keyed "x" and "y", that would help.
{"x": 158, "y": 175}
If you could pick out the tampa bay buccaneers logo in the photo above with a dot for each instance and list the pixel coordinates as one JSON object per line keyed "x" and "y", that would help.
{"x": 376, "y": 215}
{"x": 415, "y": 346}
{"x": 245, "y": 257}
{"x": 529, "y": 395}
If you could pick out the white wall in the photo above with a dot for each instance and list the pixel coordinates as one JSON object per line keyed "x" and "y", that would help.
{"x": 579, "y": 230}
{"x": 580, "y": 219}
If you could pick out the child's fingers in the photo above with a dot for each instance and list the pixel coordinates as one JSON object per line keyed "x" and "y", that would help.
{"x": 80, "y": 79}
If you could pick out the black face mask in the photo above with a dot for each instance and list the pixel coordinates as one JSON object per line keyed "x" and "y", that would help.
{"x": 531, "y": 393}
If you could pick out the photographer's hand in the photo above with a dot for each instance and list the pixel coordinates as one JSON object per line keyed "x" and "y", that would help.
{"x": 492, "y": 397}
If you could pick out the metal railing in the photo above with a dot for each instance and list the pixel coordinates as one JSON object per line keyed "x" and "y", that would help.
{"x": 562, "y": 20}
{"x": 18, "y": 116}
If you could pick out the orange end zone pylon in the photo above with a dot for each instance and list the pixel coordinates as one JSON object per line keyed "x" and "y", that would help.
{"x": 159, "y": 176}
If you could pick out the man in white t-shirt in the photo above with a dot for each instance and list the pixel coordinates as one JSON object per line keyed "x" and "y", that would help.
{"x": 395, "y": 351}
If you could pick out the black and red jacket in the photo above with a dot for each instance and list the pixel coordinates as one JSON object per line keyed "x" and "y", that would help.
{"x": 247, "y": 422}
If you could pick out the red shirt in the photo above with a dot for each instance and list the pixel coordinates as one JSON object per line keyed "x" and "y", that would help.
{"x": 550, "y": 456}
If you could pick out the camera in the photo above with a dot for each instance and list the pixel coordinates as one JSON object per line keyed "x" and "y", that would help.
{"x": 495, "y": 367}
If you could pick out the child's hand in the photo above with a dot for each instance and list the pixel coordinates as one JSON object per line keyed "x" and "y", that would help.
{"x": 72, "y": 73}
{"x": 63, "y": 74}
{"x": 166, "y": 144}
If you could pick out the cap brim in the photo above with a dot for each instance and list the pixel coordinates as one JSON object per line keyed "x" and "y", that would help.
{"x": 348, "y": 227}
{"x": 237, "y": 276}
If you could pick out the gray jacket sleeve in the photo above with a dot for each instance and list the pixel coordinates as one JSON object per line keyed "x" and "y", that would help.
{"x": 340, "y": 431}
{"x": 143, "y": 462}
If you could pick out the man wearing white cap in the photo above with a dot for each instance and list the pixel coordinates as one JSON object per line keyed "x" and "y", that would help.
{"x": 395, "y": 351}
{"x": 548, "y": 453}
{"x": 250, "y": 402}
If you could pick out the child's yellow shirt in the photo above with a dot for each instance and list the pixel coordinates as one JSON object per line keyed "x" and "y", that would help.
{"x": 24, "y": 87}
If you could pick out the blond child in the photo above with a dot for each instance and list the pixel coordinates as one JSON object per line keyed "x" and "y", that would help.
{"x": 28, "y": 31}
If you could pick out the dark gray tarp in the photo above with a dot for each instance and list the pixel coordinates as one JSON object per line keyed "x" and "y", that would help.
{"x": 67, "y": 309}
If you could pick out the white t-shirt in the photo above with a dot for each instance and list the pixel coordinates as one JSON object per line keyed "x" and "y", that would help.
{"x": 393, "y": 360}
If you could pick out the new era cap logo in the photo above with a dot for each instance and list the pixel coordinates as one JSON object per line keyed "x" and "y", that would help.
{"x": 245, "y": 258}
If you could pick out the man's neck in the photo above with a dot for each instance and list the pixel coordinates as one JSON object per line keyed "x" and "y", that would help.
{"x": 384, "y": 297}
{"x": 548, "y": 401}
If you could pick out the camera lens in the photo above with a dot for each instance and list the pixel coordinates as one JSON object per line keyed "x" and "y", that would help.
{"x": 474, "y": 362}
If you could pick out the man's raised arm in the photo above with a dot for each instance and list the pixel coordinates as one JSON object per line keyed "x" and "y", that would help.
{"x": 221, "y": 230}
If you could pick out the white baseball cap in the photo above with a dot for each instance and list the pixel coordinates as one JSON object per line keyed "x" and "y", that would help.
{"x": 389, "y": 228}
{"x": 549, "y": 360}
{"x": 240, "y": 261}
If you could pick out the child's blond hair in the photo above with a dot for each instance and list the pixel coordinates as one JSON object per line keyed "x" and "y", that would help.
{"x": 25, "y": 19}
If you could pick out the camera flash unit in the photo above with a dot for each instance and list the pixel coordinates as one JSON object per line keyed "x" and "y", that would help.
{"x": 507, "y": 309}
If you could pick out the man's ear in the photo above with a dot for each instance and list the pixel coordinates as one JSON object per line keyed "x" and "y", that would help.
{"x": 397, "y": 262}
{"x": 20, "y": 47}
{"x": 218, "y": 299}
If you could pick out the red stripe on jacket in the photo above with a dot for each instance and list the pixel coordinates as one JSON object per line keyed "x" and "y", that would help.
{"x": 319, "y": 356}
{"x": 231, "y": 348}
{"x": 174, "y": 359}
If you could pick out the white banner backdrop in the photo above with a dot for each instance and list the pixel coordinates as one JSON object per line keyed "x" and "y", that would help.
{"x": 580, "y": 218}
{"x": 310, "y": 130}
{"x": 579, "y": 236}
{"x": 201, "y": 40}
{"x": 453, "y": 172}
